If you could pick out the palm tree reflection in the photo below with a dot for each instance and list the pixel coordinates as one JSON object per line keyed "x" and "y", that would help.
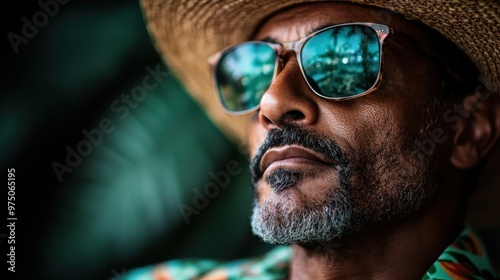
{"x": 244, "y": 74}
{"x": 342, "y": 61}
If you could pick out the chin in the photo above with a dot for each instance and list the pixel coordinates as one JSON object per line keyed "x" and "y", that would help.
{"x": 288, "y": 218}
{"x": 306, "y": 212}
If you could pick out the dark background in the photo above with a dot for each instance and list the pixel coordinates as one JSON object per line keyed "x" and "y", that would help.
{"x": 119, "y": 207}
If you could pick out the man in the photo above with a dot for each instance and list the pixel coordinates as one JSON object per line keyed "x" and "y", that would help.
{"x": 367, "y": 129}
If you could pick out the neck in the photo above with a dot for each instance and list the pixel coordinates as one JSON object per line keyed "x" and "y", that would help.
{"x": 397, "y": 250}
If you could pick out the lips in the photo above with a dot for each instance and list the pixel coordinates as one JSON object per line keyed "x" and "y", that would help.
{"x": 291, "y": 155}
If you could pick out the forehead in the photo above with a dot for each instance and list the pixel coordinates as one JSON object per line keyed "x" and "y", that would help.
{"x": 298, "y": 21}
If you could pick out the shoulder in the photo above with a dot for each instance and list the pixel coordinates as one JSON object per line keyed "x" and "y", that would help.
{"x": 465, "y": 258}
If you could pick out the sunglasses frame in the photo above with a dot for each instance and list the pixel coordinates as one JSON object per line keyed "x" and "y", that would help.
{"x": 280, "y": 49}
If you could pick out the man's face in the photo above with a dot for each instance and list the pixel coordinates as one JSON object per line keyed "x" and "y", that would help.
{"x": 322, "y": 169}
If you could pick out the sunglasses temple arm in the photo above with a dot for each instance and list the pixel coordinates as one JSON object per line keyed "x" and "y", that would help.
{"x": 425, "y": 51}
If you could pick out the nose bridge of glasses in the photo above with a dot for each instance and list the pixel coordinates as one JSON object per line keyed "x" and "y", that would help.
{"x": 287, "y": 47}
{"x": 282, "y": 49}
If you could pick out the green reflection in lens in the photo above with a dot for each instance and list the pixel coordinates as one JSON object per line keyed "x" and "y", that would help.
{"x": 343, "y": 61}
{"x": 243, "y": 74}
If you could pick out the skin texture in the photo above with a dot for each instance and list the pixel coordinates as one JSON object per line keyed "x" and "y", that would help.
{"x": 377, "y": 133}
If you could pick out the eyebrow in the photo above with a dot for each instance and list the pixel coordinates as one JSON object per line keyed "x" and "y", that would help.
{"x": 309, "y": 32}
{"x": 325, "y": 25}
{"x": 269, "y": 39}
{"x": 318, "y": 28}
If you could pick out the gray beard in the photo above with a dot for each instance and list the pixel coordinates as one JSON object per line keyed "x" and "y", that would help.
{"x": 283, "y": 222}
{"x": 279, "y": 220}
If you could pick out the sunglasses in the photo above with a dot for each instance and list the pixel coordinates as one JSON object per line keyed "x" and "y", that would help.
{"x": 338, "y": 62}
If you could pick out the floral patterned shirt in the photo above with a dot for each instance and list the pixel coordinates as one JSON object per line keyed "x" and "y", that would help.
{"x": 464, "y": 259}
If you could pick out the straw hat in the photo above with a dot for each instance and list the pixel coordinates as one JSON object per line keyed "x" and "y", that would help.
{"x": 187, "y": 32}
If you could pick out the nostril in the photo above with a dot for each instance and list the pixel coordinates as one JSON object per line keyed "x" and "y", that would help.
{"x": 292, "y": 116}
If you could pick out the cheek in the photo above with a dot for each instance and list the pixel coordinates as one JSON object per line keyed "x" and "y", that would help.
{"x": 263, "y": 193}
{"x": 360, "y": 124}
{"x": 375, "y": 123}
{"x": 256, "y": 134}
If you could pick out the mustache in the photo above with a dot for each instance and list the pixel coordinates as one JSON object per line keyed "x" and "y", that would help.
{"x": 294, "y": 135}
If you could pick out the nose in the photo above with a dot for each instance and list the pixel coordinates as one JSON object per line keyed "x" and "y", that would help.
{"x": 289, "y": 99}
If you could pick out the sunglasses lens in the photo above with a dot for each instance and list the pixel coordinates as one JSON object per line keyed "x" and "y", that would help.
{"x": 342, "y": 61}
{"x": 243, "y": 74}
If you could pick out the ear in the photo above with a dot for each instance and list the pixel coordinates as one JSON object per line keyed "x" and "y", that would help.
{"x": 478, "y": 133}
